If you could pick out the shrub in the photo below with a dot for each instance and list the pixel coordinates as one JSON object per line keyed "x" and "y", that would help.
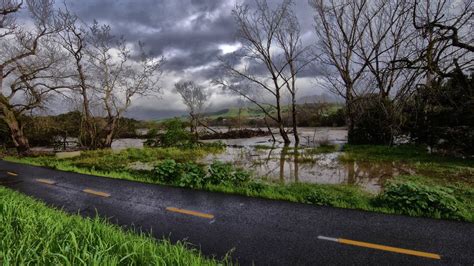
{"x": 167, "y": 171}
{"x": 319, "y": 197}
{"x": 225, "y": 173}
{"x": 175, "y": 135}
{"x": 375, "y": 121}
{"x": 413, "y": 198}
{"x": 192, "y": 175}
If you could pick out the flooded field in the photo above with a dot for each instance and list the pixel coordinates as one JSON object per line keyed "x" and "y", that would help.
{"x": 275, "y": 163}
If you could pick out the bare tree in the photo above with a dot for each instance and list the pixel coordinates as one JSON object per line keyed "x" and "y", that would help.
{"x": 195, "y": 98}
{"x": 74, "y": 41}
{"x": 382, "y": 48}
{"x": 107, "y": 76}
{"x": 339, "y": 25}
{"x": 26, "y": 63}
{"x": 444, "y": 38}
{"x": 118, "y": 79}
{"x": 271, "y": 40}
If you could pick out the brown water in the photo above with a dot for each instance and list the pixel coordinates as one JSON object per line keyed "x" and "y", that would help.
{"x": 271, "y": 161}
{"x": 286, "y": 166}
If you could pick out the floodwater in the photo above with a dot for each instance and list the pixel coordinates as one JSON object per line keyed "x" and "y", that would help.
{"x": 275, "y": 163}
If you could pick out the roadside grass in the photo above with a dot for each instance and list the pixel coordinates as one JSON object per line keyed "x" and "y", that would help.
{"x": 428, "y": 195}
{"x": 32, "y": 233}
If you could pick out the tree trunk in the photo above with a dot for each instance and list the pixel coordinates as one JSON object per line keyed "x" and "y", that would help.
{"x": 16, "y": 130}
{"x": 284, "y": 135}
{"x": 109, "y": 132}
{"x": 349, "y": 112}
{"x": 294, "y": 122}
{"x": 281, "y": 126}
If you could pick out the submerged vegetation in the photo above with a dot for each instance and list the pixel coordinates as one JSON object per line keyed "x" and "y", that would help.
{"x": 32, "y": 233}
{"x": 431, "y": 194}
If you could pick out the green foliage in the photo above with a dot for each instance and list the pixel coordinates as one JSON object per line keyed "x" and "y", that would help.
{"x": 180, "y": 174}
{"x": 323, "y": 148}
{"x": 193, "y": 175}
{"x": 374, "y": 121}
{"x": 442, "y": 115}
{"x": 414, "y": 198}
{"x": 33, "y": 234}
{"x": 225, "y": 173}
{"x": 167, "y": 171}
{"x": 175, "y": 135}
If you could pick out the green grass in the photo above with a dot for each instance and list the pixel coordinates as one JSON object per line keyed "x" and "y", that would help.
{"x": 326, "y": 148}
{"x": 264, "y": 147}
{"x": 31, "y": 233}
{"x": 449, "y": 184}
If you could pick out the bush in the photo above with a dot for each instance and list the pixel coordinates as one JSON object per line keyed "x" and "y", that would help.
{"x": 442, "y": 115}
{"x": 175, "y": 135}
{"x": 192, "y": 175}
{"x": 225, "y": 173}
{"x": 319, "y": 197}
{"x": 167, "y": 171}
{"x": 414, "y": 199}
{"x": 374, "y": 121}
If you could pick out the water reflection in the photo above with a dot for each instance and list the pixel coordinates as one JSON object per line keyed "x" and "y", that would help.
{"x": 300, "y": 165}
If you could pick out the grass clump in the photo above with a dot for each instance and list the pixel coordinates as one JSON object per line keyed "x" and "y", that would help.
{"x": 31, "y": 233}
{"x": 194, "y": 176}
{"x": 414, "y": 198}
{"x": 263, "y": 147}
{"x": 323, "y": 148}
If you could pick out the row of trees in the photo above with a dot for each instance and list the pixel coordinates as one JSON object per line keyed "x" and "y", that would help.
{"x": 54, "y": 54}
{"x": 382, "y": 57}
{"x": 385, "y": 51}
{"x": 376, "y": 56}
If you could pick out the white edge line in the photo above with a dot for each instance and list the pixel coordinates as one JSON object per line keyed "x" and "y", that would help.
{"x": 328, "y": 238}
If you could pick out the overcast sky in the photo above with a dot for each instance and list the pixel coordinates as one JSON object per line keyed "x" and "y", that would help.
{"x": 190, "y": 34}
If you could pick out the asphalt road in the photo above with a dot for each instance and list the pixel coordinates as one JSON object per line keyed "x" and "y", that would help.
{"x": 264, "y": 232}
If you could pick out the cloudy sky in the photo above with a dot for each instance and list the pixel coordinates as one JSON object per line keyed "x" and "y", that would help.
{"x": 190, "y": 34}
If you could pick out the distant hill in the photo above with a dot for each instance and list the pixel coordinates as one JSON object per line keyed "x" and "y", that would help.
{"x": 251, "y": 112}
{"x": 319, "y": 98}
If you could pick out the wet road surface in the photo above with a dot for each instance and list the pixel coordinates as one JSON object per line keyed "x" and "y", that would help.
{"x": 264, "y": 232}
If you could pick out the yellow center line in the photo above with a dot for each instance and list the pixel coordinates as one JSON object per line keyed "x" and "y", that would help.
{"x": 189, "y": 212}
{"x": 382, "y": 247}
{"x": 97, "y": 193}
{"x": 12, "y": 174}
{"x": 45, "y": 181}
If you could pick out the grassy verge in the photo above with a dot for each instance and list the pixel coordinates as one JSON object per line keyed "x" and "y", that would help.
{"x": 443, "y": 196}
{"x": 31, "y": 233}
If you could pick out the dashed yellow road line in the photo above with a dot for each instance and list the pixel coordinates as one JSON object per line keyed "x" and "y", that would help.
{"x": 189, "y": 212}
{"x": 382, "y": 247}
{"x": 12, "y": 174}
{"x": 45, "y": 181}
{"x": 97, "y": 193}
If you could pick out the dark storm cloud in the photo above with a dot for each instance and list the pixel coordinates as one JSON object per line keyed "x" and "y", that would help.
{"x": 194, "y": 28}
{"x": 189, "y": 33}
